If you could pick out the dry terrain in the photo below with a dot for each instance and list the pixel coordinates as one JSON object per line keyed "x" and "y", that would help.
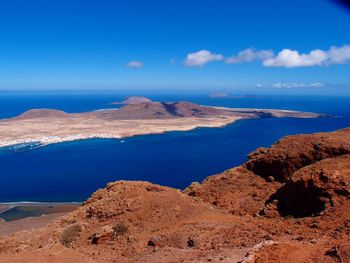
{"x": 138, "y": 117}
{"x": 287, "y": 203}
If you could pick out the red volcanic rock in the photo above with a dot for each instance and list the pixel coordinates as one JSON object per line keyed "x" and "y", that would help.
{"x": 320, "y": 187}
{"x": 236, "y": 216}
{"x": 237, "y": 190}
{"x": 294, "y": 152}
{"x": 300, "y": 252}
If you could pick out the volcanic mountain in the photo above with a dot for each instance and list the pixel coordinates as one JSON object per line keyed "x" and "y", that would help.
{"x": 137, "y": 116}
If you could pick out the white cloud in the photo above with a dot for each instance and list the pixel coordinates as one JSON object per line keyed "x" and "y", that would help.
{"x": 316, "y": 85}
{"x": 281, "y": 85}
{"x": 292, "y": 58}
{"x": 249, "y": 55}
{"x": 287, "y": 58}
{"x": 291, "y": 85}
{"x": 134, "y": 64}
{"x": 201, "y": 58}
{"x": 339, "y": 55}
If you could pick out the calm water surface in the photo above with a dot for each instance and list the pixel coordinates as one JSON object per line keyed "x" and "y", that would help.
{"x": 72, "y": 171}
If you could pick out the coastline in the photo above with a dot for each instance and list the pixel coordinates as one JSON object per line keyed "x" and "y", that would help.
{"x": 13, "y": 211}
{"x": 28, "y": 223}
{"x": 275, "y": 112}
{"x": 41, "y": 127}
{"x": 18, "y": 216}
{"x": 182, "y": 126}
{"x": 32, "y": 203}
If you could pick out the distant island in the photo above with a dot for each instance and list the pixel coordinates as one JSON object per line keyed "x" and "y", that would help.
{"x": 218, "y": 95}
{"x": 137, "y": 116}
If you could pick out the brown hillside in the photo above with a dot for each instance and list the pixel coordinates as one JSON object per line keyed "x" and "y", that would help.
{"x": 296, "y": 212}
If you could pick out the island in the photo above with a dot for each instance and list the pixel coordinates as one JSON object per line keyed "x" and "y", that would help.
{"x": 136, "y": 116}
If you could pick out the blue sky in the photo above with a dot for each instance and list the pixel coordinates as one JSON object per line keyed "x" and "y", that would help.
{"x": 130, "y": 44}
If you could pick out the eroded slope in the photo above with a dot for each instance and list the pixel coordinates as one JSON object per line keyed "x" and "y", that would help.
{"x": 236, "y": 216}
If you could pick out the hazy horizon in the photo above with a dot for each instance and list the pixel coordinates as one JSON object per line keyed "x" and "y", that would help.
{"x": 326, "y": 90}
{"x": 251, "y": 46}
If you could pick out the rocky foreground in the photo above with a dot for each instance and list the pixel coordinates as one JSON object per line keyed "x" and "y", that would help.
{"x": 287, "y": 203}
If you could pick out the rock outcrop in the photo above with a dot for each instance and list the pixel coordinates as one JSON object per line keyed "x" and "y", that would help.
{"x": 294, "y": 152}
{"x": 323, "y": 186}
{"x": 288, "y": 203}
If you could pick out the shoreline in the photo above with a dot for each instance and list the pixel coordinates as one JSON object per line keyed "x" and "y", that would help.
{"x": 19, "y": 216}
{"x": 41, "y": 127}
{"x": 32, "y": 203}
{"x": 47, "y": 140}
{"x": 6, "y": 206}
{"x": 14, "y": 211}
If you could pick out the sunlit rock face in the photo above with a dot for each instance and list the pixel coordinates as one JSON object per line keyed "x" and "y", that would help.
{"x": 235, "y": 216}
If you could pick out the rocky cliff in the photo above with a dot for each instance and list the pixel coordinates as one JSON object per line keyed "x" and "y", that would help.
{"x": 287, "y": 203}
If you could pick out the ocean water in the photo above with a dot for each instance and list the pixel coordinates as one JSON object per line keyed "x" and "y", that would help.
{"x": 72, "y": 171}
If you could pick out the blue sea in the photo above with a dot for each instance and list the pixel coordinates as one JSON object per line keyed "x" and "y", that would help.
{"x": 72, "y": 171}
